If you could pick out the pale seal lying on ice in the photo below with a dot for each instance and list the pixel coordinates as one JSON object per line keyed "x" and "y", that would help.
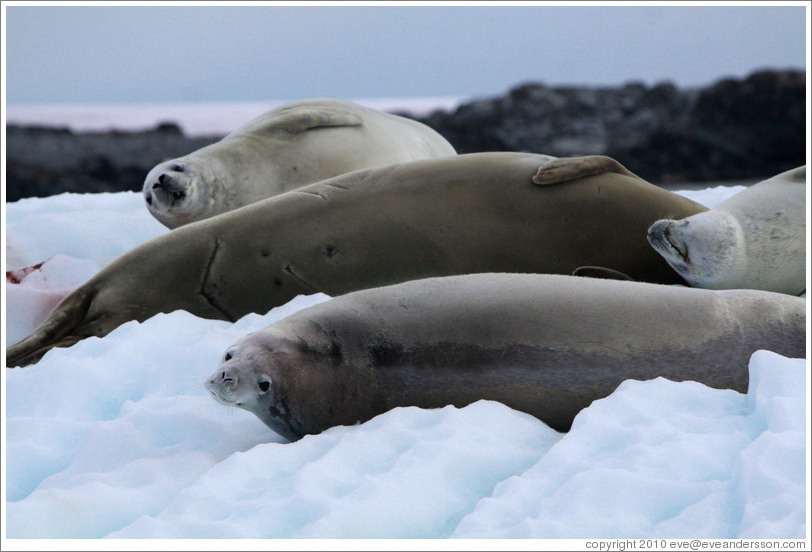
{"x": 755, "y": 239}
{"x": 288, "y": 147}
{"x": 547, "y": 345}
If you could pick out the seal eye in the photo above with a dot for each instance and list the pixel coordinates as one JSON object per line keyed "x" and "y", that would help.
{"x": 228, "y": 356}
{"x": 264, "y": 385}
{"x": 177, "y": 168}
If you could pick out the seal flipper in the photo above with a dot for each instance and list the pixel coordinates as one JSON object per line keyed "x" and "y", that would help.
{"x": 300, "y": 119}
{"x": 58, "y": 330}
{"x": 601, "y": 272}
{"x": 566, "y": 169}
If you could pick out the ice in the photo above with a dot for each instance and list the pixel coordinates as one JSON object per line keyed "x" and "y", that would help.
{"x": 116, "y": 437}
{"x": 661, "y": 459}
{"x": 83, "y": 226}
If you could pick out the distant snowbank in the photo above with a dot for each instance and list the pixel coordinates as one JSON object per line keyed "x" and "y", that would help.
{"x": 195, "y": 119}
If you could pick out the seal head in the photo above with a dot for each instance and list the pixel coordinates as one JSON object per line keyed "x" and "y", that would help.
{"x": 705, "y": 251}
{"x": 755, "y": 239}
{"x": 248, "y": 378}
{"x": 282, "y": 150}
{"x": 180, "y": 192}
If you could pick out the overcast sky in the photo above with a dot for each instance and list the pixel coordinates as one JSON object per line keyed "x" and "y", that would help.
{"x": 257, "y": 53}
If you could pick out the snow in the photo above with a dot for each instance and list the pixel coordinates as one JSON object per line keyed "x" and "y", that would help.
{"x": 661, "y": 459}
{"x": 117, "y": 438}
{"x": 73, "y": 236}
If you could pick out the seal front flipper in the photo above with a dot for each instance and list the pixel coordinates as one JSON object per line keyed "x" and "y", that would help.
{"x": 60, "y": 329}
{"x": 601, "y": 272}
{"x": 300, "y": 119}
{"x": 567, "y": 169}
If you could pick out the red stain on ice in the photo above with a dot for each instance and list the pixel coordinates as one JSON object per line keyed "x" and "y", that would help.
{"x": 18, "y": 275}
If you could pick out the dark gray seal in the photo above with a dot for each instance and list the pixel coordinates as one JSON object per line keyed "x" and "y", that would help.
{"x": 547, "y": 345}
{"x": 484, "y": 212}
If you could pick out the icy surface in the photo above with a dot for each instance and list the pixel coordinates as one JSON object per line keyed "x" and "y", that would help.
{"x": 83, "y": 226}
{"x": 116, "y": 437}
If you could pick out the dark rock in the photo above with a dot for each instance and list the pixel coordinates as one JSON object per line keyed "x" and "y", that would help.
{"x": 745, "y": 129}
{"x": 734, "y": 129}
{"x": 42, "y": 161}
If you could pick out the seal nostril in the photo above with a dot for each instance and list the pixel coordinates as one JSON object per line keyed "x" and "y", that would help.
{"x": 161, "y": 179}
{"x": 149, "y": 199}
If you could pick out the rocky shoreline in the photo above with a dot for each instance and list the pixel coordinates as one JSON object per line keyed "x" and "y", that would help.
{"x": 736, "y": 129}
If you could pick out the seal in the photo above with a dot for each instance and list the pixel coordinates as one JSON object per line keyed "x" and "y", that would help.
{"x": 478, "y": 212}
{"x": 547, "y": 345}
{"x": 755, "y": 239}
{"x": 294, "y": 145}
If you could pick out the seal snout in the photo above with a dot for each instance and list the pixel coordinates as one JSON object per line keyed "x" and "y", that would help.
{"x": 657, "y": 230}
{"x": 667, "y": 237}
{"x": 235, "y": 387}
{"x": 168, "y": 187}
{"x": 222, "y": 385}
{"x": 661, "y": 237}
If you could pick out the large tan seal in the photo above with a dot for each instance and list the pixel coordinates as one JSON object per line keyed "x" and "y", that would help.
{"x": 294, "y": 145}
{"x": 547, "y": 345}
{"x": 486, "y": 212}
{"x": 755, "y": 239}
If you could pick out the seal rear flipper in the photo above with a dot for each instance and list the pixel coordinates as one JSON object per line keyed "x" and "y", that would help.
{"x": 601, "y": 272}
{"x": 300, "y": 119}
{"x": 60, "y": 329}
{"x": 566, "y": 169}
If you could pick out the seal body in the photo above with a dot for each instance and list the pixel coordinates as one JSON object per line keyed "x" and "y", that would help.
{"x": 547, "y": 345}
{"x": 456, "y": 215}
{"x": 755, "y": 239}
{"x": 294, "y": 145}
